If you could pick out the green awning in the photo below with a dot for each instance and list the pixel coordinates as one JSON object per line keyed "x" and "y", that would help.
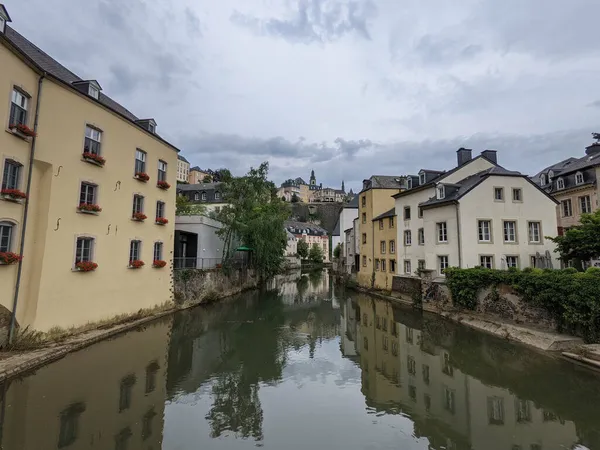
{"x": 243, "y": 249}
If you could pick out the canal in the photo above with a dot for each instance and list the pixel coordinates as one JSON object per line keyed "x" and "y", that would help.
{"x": 305, "y": 365}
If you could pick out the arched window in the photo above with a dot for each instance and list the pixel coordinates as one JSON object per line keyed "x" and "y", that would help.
{"x": 6, "y": 236}
{"x": 550, "y": 176}
{"x": 578, "y": 178}
{"x": 197, "y": 196}
{"x": 560, "y": 183}
{"x": 543, "y": 179}
{"x": 204, "y": 196}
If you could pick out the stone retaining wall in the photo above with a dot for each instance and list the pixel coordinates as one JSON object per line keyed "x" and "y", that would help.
{"x": 195, "y": 286}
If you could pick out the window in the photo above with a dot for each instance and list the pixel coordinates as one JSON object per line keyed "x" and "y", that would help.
{"x": 421, "y": 236}
{"x": 381, "y": 224}
{"x": 486, "y": 261}
{"x": 578, "y": 178}
{"x": 197, "y": 196}
{"x": 122, "y": 439}
{"x": 160, "y": 209}
{"x": 442, "y": 229}
{"x": 217, "y": 196}
{"x": 69, "y": 424}
{"x": 366, "y": 343}
{"x": 495, "y": 410}
{"x": 125, "y": 392}
{"x": 392, "y": 265}
{"x": 426, "y": 373}
{"x": 383, "y": 265}
{"x": 409, "y": 335}
{"x": 151, "y": 127}
{"x": 376, "y": 264}
{"x": 442, "y": 263}
{"x": 84, "y": 249}
{"x": 365, "y": 321}
{"x": 585, "y": 204}
{"x": 138, "y": 204}
{"x": 391, "y": 222}
{"x": 134, "y": 251}
{"x": 364, "y": 217}
{"x": 447, "y": 368}
{"x": 512, "y": 261}
{"x": 364, "y": 238}
{"x": 162, "y": 170}
{"x": 543, "y": 179}
{"x": 407, "y": 268}
{"x": 147, "y": 424}
{"x": 392, "y": 247}
{"x": 364, "y": 258}
{"x": 87, "y": 194}
{"x": 407, "y": 213}
{"x": 18, "y": 108}
{"x": 394, "y": 344}
{"x": 204, "y": 196}
{"x": 93, "y": 91}
{"x": 93, "y": 137}
{"x": 427, "y": 400}
{"x": 441, "y": 191}
{"x": 11, "y": 176}
{"x": 567, "y": 208}
{"x": 532, "y": 261}
{"x": 363, "y": 200}
{"x": 140, "y": 161}
{"x": 449, "y": 400}
{"x": 420, "y": 212}
{"x": 412, "y": 392}
{"x": 382, "y": 247}
{"x": 409, "y": 183}
{"x": 422, "y": 178}
{"x": 407, "y": 237}
{"x": 384, "y": 323}
{"x": 151, "y": 372}
{"x": 550, "y": 176}
{"x": 499, "y": 194}
{"x": 510, "y": 231}
{"x": 6, "y": 235}
{"x": 484, "y": 228}
{"x": 517, "y": 195}
{"x": 421, "y": 264}
{"x": 535, "y": 234}
{"x": 411, "y": 365}
{"x": 523, "y": 411}
{"x": 158, "y": 251}
{"x": 560, "y": 183}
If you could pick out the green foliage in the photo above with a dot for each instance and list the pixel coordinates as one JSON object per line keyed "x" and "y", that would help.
{"x": 337, "y": 251}
{"x": 571, "y": 298}
{"x": 593, "y": 271}
{"x": 183, "y": 207}
{"x": 581, "y": 242}
{"x": 316, "y": 254}
{"x": 207, "y": 179}
{"x": 302, "y": 249}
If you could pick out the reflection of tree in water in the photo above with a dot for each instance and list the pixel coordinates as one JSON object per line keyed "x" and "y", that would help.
{"x": 302, "y": 286}
{"x": 315, "y": 277}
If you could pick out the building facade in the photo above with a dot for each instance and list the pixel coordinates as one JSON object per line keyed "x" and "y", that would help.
{"x": 97, "y": 172}
{"x": 311, "y": 234}
{"x": 347, "y": 215}
{"x": 209, "y": 195}
{"x": 197, "y": 244}
{"x": 384, "y": 249}
{"x": 197, "y": 175}
{"x": 183, "y": 169}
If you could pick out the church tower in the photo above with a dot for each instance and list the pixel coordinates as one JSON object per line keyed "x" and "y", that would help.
{"x": 343, "y": 189}
{"x": 313, "y": 180}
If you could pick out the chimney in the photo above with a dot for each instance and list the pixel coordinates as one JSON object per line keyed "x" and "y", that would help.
{"x": 463, "y": 155}
{"x": 490, "y": 155}
{"x": 593, "y": 149}
{"x": 4, "y": 18}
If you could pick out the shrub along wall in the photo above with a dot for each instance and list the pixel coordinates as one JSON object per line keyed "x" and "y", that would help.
{"x": 572, "y": 298}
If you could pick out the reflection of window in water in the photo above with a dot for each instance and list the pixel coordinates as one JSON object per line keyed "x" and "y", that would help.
{"x": 427, "y": 400}
{"x": 523, "y": 411}
{"x": 495, "y": 410}
{"x": 426, "y": 373}
{"x": 378, "y": 322}
{"x": 536, "y": 447}
{"x": 409, "y": 335}
{"x": 412, "y": 392}
{"x": 366, "y": 343}
{"x": 394, "y": 329}
{"x": 69, "y": 424}
{"x": 125, "y": 392}
{"x": 122, "y": 439}
{"x": 151, "y": 372}
{"x": 449, "y": 400}
{"x": 516, "y": 447}
{"x": 395, "y": 375}
{"x": 385, "y": 343}
{"x": 549, "y": 416}
{"x": 385, "y": 327}
{"x": 147, "y": 424}
{"x": 365, "y": 321}
{"x": 394, "y": 348}
{"x": 447, "y": 369}
{"x": 412, "y": 365}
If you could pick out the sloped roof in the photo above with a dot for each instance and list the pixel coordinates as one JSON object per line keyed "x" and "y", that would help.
{"x": 198, "y": 187}
{"x": 336, "y": 230}
{"x": 390, "y": 213}
{"x": 385, "y": 182}
{"x": 352, "y": 204}
{"x": 182, "y": 158}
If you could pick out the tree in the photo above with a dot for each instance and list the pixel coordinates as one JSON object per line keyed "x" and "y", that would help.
{"x": 295, "y": 198}
{"x": 316, "y": 254}
{"x": 183, "y": 207}
{"x": 207, "y": 179}
{"x": 337, "y": 251}
{"x": 302, "y": 249}
{"x": 581, "y": 242}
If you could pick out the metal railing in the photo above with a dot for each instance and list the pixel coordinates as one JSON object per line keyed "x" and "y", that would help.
{"x": 197, "y": 263}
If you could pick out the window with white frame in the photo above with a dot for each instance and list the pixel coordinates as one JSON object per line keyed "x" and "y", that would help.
{"x": 382, "y": 247}
{"x": 422, "y": 178}
{"x": 11, "y": 174}
{"x": 421, "y": 236}
{"x": 135, "y": 250}
{"x": 585, "y": 204}
{"x": 87, "y": 194}
{"x": 140, "y": 161}
{"x": 93, "y": 139}
{"x": 160, "y": 209}
{"x": 578, "y": 178}
{"x": 419, "y": 212}
{"x": 197, "y": 196}
{"x": 442, "y": 232}
{"x": 486, "y": 261}
{"x": 499, "y": 194}
{"x": 6, "y": 236}
{"x": 93, "y": 91}
{"x": 217, "y": 195}
{"x": 364, "y": 238}
{"x": 138, "y": 204}
{"x": 376, "y": 264}
{"x": 84, "y": 249}
{"x": 392, "y": 265}
{"x": 407, "y": 237}
{"x": 567, "y": 208}
{"x": 517, "y": 194}
{"x": 441, "y": 191}
{"x": 381, "y": 224}
{"x": 158, "y": 251}
{"x": 560, "y": 183}
{"x": 512, "y": 261}
{"x": 550, "y": 176}
{"x": 510, "y": 231}
{"x": 535, "y": 232}
{"x": 392, "y": 246}
{"x": 162, "y": 170}
{"x": 484, "y": 230}
{"x": 543, "y": 179}
{"x": 442, "y": 263}
{"x": 421, "y": 264}
{"x": 391, "y": 223}
{"x": 407, "y": 213}
{"x": 383, "y": 265}
{"x": 407, "y": 266}
{"x": 409, "y": 183}
{"x": 204, "y": 196}
{"x": 364, "y": 261}
{"x": 18, "y": 108}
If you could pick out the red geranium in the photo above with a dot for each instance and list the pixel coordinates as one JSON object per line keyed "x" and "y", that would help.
{"x": 157, "y": 263}
{"x": 136, "y": 263}
{"x": 163, "y": 185}
{"x": 89, "y": 207}
{"x": 139, "y": 216}
{"x": 96, "y": 158}
{"x": 14, "y": 194}
{"x": 142, "y": 176}
{"x": 23, "y": 129}
{"x": 86, "y": 266}
{"x": 9, "y": 258}
{"x": 162, "y": 221}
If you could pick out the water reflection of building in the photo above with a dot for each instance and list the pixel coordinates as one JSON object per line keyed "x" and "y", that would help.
{"x": 111, "y": 395}
{"x": 297, "y": 286}
{"x": 405, "y": 371}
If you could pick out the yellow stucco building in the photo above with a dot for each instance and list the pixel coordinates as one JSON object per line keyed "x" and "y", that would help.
{"x": 376, "y": 200}
{"x": 384, "y": 249}
{"x": 91, "y": 172}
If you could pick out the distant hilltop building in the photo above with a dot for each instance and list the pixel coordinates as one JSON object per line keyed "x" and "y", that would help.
{"x": 297, "y": 189}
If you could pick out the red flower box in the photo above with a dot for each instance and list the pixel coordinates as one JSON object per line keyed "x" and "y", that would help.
{"x": 161, "y": 221}
{"x": 7, "y": 258}
{"x": 86, "y": 266}
{"x": 163, "y": 185}
{"x": 95, "y": 158}
{"x": 13, "y": 194}
{"x": 23, "y": 129}
{"x": 142, "y": 176}
{"x": 158, "y": 264}
{"x": 136, "y": 264}
{"x": 88, "y": 207}
{"x": 140, "y": 217}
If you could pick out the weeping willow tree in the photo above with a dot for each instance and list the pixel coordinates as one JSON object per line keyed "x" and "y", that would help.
{"x": 254, "y": 217}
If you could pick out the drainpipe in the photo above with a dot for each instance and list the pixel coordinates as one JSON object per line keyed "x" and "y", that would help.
{"x": 459, "y": 235}
{"x": 13, "y": 317}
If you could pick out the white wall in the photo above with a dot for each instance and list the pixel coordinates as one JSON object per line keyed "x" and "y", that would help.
{"x": 433, "y": 248}
{"x": 346, "y": 217}
{"x": 209, "y": 244}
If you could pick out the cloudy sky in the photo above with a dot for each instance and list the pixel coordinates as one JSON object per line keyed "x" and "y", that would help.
{"x": 348, "y": 88}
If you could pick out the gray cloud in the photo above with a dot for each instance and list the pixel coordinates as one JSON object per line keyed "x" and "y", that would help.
{"x": 314, "y": 21}
{"x": 192, "y": 22}
{"x": 595, "y": 104}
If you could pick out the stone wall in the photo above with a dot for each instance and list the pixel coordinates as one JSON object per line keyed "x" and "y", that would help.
{"x": 195, "y": 286}
{"x": 323, "y": 214}
{"x": 407, "y": 286}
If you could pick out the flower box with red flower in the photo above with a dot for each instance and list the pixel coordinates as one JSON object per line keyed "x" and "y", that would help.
{"x": 89, "y": 208}
{"x": 93, "y": 159}
{"x": 136, "y": 264}
{"x": 7, "y": 258}
{"x": 161, "y": 221}
{"x": 163, "y": 185}
{"x": 13, "y": 195}
{"x": 139, "y": 217}
{"x": 142, "y": 176}
{"x": 86, "y": 266}
{"x": 158, "y": 264}
{"x": 22, "y": 130}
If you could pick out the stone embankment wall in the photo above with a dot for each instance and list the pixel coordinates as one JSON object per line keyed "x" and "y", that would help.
{"x": 195, "y": 286}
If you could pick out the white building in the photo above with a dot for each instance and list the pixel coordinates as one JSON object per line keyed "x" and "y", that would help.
{"x": 292, "y": 244}
{"x": 477, "y": 214}
{"x": 197, "y": 244}
{"x": 311, "y": 234}
{"x": 183, "y": 169}
{"x": 347, "y": 214}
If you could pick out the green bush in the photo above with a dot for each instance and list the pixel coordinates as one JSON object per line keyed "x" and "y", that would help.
{"x": 593, "y": 271}
{"x": 571, "y": 297}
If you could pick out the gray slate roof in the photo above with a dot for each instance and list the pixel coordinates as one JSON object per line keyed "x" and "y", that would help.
{"x": 182, "y": 158}
{"x": 352, "y": 204}
{"x": 336, "y": 230}
{"x": 390, "y": 213}
{"x": 198, "y": 187}
{"x": 385, "y": 182}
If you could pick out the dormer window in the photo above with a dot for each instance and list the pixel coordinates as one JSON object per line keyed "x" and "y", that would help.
{"x": 550, "y": 176}
{"x": 543, "y": 179}
{"x": 560, "y": 183}
{"x": 4, "y": 18}
{"x": 148, "y": 124}
{"x": 93, "y": 91}
{"x": 409, "y": 183}
{"x": 151, "y": 127}
{"x": 89, "y": 87}
{"x": 421, "y": 178}
{"x": 578, "y": 178}
{"x": 441, "y": 191}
